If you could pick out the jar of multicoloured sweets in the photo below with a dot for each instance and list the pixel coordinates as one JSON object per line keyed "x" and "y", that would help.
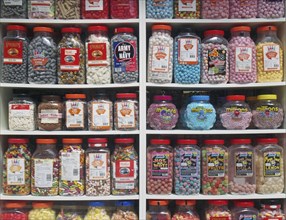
{"x": 158, "y": 209}
{"x": 271, "y": 209}
{"x": 186, "y": 210}
{"x": 14, "y": 211}
{"x": 217, "y": 209}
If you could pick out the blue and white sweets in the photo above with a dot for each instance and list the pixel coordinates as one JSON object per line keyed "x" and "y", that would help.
{"x": 159, "y": 9}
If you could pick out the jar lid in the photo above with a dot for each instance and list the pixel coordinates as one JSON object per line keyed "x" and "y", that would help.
{"x": 271, "y": 204}
{"x": 75, "y": 96}
{"x": 251, "y": 98}
{"x": 267, "y": 140}
{"x": 16, "y": 28}
{"x": 235, "y": 98}
{"x": 97, "y": 28}
{"x": 126, "y": 95}
{"x": 124, "y": 203}
{"x": 71, "y": 30}
{"x": 267, "y": 96}
{"x": 39, "y": 205}
{"x": 200, "y": 98}
{"x": 162, "y": 98}
{"x": 187, "y": 141}
{"x": 46, "y": 141}
{"x": 244, "y": 204}
{"x": 96, "y": 204}
{"x": 72, "y": 141}
{"x": 160, "y": 141}
{"x": 186, "y": 202}
{"x": 123, "y": 30}
{"x": 214, "y": 32}
{"x": 124, "y": 140}
{"x": 51, "y": 97}
{"x": 18, "y": 140}
{"x": 214, "y": 141}
{"x": 240, "y": 28}
{"x": 161, "y": 27}
{"x": 240, "y": 141}
{"x": 43, "y": 29}
{"x": 97, "y": 140}
{"x": 266, "y": 28}
{"x": 158, "y": 202}
{"x": 15, "y": 205}
{"x": 218, "y": 202}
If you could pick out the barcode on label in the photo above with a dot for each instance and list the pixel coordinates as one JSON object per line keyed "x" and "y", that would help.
{"x": 49, "y": 177}
{"x": 75, "y": 172}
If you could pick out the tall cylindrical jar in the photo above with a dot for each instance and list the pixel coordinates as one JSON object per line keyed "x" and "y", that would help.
{"x": 41, "y": 9}
{"x": 160, "y": 55}
{"x": 95, "y": 9}
{"x": 15, "y": 55}
{"x": 271, "y": 8}
{"x": 97, "y": 59}
{"x": 243, "y": 9}
{"x": 67, "y": 9}
{"x": 13, "y": 9}
{"x": 71, "y": 67}
{"x": 159, "y": 9}
{"x": 187, "y": 9}
{"x": 124, "y": 9}
{"x": 215, "y": 63}
{"x": 215, "y": 9}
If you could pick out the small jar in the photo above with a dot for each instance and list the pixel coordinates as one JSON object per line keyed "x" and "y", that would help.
{"x": 41, "y": 9}
{"x": 67, "y": 9}
{"x": 160, "y": 55}
{"x": 236, "y": 113}
{"x": 241, "y": 167}
{"x": 217, "y": 209}
{"x": 50, "y": 113}
{"x": 75, "y": 112}
{"x": 13, "y": 9}
{"x": 187, "y": 57}
{"x": 124, "y": 55}
{"x": 97, "y": 59}
{"x": 267, "y": 112}
{"x": 271, "y": 9}
{"x": 244, "y": 210}
{"x": 71, "y": 168}
{"x": 187, "y": 167}
{"x": 15, "y": 54}
{"x": 42, "y": 210}
{"x": 45, "y": 168}
{"x": 214, "y": 168}
{"x": 97, "y": 163}
{"x": 215, "y": 9}
{"x": 71, "y": 57}
{"x": 124, "y": 9}
{"x": 158, "y": 209}
{"x": 95, "y": 9}
{"x": 242, "y": 9}
{"x": 215, "y": 63}
{"x": 124, "y": 210}
{"x": 97, "y": 210}
{"x": 70, "y": 212}
{"x": 159, "y": 9}
{"x": 162, "y": 114}
{"x": 14, "y": 211}
{"x": 269, "y": 55}
{"x": 125, "y": 167}
{"x": 269, "y": 166}
{"x": 17, "y": 167}
{"x": 160, "y": 167}
{"x": 185, "y": 209}
{"x": 126, "y": 112}
{"x": 187, "y": 9}
{"x": 271, "y": 209}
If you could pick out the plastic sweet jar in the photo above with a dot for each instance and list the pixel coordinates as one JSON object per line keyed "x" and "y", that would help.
{"x": 185, "y": 209}
{"x": 42, "y": 210}
{"x": 45, "y": 168}
{"x": 242, "y": 178}
{"x": 187, "y": 57}
{"x": 124, "y": 9}
{"x": 160, "y": 55}
{"x": 215, "y": 61}
{"x": 215, "y": 9}
{"x": 71, "y": 178}
{"x": 217, "y": 209}
{"x": 271, "y": 9}
{"x": 244, "y": 209}
{"x": 269, "y": 166}
{"x": 17, "y": 167}
{"x": 243, "y": 9}
{"x": 159, "y": 167}
{"x": 271, "y": 209}
{"x": 269, "y": 55}
{"x": 125, "y": 210}
{"x": 187, "y": 9}
{"x": 214, "y": 167}
{"x": 13, "y": 9}
{"x": 95, "y": 10}
{"x": 158, "y": 209}
{"x": 38, "y": 10}
{"x": 124, "y": 163}
{"x": 236, "y": 113}
{"x": 267, "y": 113}
{"x": 159, "y": 9}
{"x": 187, "y": 167}
{"x": 162, "y": 114}
{"x": 15, "y": 55}
{"x": 97, "y": 165}
{"x": 14, "y": 210}
{"x": 97, "y": 210}
{"x": 69, "y": 212}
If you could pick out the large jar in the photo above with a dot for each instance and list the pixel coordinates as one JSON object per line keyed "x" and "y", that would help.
{"x": 71, "y": 67}
{"x": 67, "y": 9}
{"x": 187, "y": 58}
{"x": 124, "y": 56}
{"x": 160, "y": 55}
{"x": 244, "y": 209}
{"x": 97, "y": 165}
{"x": 124, "y": 211}
{"x": 217, "y": 209}
{"x": 271, "y": 209}
{"x": 269, "y": 55}
{"x": 70, "y": 212}
{"x": 42, "y": 211}
{"x": 159, "y": 9}
{"x": 97, "y": 210}
{"x": 14, "y": 211}
{"x": 15, "y": 55}
{"x": 13, "y": 9}
{"x": 241, "y": 167}
{"x": 125, "y": 167}
{"x": 185, "y": 209}
{"x": 158, "y": 209}
{"x": 41, "y": 9}
{"x": 97, "y": 59}
{"x": 187, "y": 167}
{"x": 243, "y": 9}
{"x": 187, "y": 9}
{"x": 17, "y": 168}
{"x": 45, "y": 168}
{"x": 95, "y": 9}
{"x": 271, "y": 8}
{"x": 124, "y": 9}
{"x": 242, "y": 56}
{"x": 269, "y": 166}
{"x": 215, "y": 9}
{"x": 215, "y": 63}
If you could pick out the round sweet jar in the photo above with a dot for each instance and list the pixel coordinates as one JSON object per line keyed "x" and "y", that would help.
{"x": 215, "y": 9}
{"x": 124, "y": 210}
{"x": 271, "y": 9}
{"x": 244, "y": 209}
{"x": 97, "y": 210}
{"x": 271, "y": 209}
{"x": 70, "y": 212}
{"x": 217, "y": 209}
{"x": 159, "y": 9}
{"x": 185, "y": 210}
{"x": 187, "y": 9}
{"x": 243, "y": 9}
{"x": 158, "y": 209}
{"x": 12, "y": 210}
{"x": 42, "y": 210}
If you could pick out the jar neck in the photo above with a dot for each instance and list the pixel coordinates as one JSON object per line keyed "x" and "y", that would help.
{"x": 74, "y": 35}
{"x": 18, "y": 146}
{"x": 240, "y": 34}
{"x": 16, "y": 33}
{"x": 268, "y": 34}
{"x": 162, "y": 101}
{"x": 51, "y": 99}
{"x": 98, "y": 33}
{"x": 185, "y": 208}
{"x": 42, "y": 34}
{"x": 97, "y": 145}
{"x": 158, "y": 208}
{"x": 73, "y": 146}
{"x": 161, "y": 32}
{"x": 46, "y": 146}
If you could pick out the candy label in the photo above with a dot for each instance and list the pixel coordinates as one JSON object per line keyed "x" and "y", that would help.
{"x": 166, "y": 114}
{"x": 188, "y": 51}
{"x": 272, "y": 218}
{"x": 247, "y": 217}
{"x": 244, "y": 164}
{"x": 97, "y": 55}
{"x": 189, "y": 164}
{"x": 74, "y": 115}
{"x": 15, "y": 171}
{"x": 13, "y": 52}
{"x": 70, "y": 166}
{"x": 187, "y": 5}
{"x": 267, "y": 112}
{"x": 126, "y": 115}
{"x": 160, "y": 165}
{"x": 12, "y": 2}
{"x": 21, "y": 110}
{"x": 243, "y": 59}
{"x": 271, "y": 57}
{"x": 98, "y": 166}
{"x": 272, "y": 163}
{"x": 50, "y": 116}
{"x": 43, "y": 172}
{"x": 101, "y": 115}
{"x": 39, "y": 60}
{"x": 93, "y": 5}
{"x": 201, "y": 112}
{"x": 124, "y": 174}
{"x": 217, "y": 62}
{"x": 40, "y": 6}
{"x": 216, "y": 166}
{"x": 160, "y": 60}
{"x": 69, "y": 59}
{"x": 236, "y": 112}
{"x": 159, "y": 3}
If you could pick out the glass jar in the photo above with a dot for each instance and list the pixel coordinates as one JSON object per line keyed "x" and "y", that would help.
{"x": 124, "y": 211}
{"x": 97, "y": 59}
{"x": 42, "y": 210}
{"x": 71, "y": 56}
{"x": 15, "y": 54}
{"x": 124, "y": 9}
{"x": 160, "y": 55}
{"x": 244, "y": 210}
{"x": 242, "y": 55}
{"x": 271, "y": 9}
{"x": 22, "y": 113}
{"x": 267, "y": 112}
{"x": 41, "y": 10}
{"x": 124, "y": 55}
{"x": 187, "y": 9}
{"x": 215, "y": 9}
{"x": 75, "y": 112}
{"x": 95, "y": 9}
{"x": 50, "y": 113}
{"x": 97, "y": 164}
{"x": 125, "y": 167}
{"x": 14, "y": 211}
{"x": 269, "y": 166}
{"x": 187, "y": 57}
{"x": 215, "y": 63}
{"x": 271, "y": 209}
{"x": 160, "y": 167}
{"x": 126, "y": 112}
{"x": 97, "y": 210}
{"x": 42, "y": 62}
{"x": 187, "y": 167}
{"x": 162, "y": 114}
{"x": 242, "y": 9}
{"x": 13, "y": 9}
{"x": 241, "y": 167}
{"x": 217, "y": 209}
{"x": 70, "y": 212}
{"x": 158, "y": 209}
{"x": 185, "y": 209}
{"x": 71, "y": 175}
{"x": 17, "y": 167}
{"x": 45, "y": 168}
{"x": 67, "y": 9}
{"x": 269, "y": 55}
{"x": 214, "y": 167}
{"x": 159, "y": 9}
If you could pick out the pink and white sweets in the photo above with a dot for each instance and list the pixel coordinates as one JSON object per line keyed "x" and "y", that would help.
{"x": 215, "y": 9}
{"x": 243, "y": 9}
{"x": 271, "y": 8}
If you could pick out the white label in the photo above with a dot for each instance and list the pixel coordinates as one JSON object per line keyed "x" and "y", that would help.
{"x": 97, "y": 166}
{"x": 126, "y": 115}
{"x": 75, "y": 115}
{"x": 160, "y": 59}
{"x": 187, "y": 5}
{"x": 50, "y": 116}
{"x": 101, "y": 115}
{"x": 70, "y": 166}
{"x": 19, "y": 111}
{"x": 93, "y": 5}
{"x": 12, "y": 2}
{"x": 188, "y": 51}
{"x": 243, "y": 59}
{"x": 43, "y": 172}
{"x": 271, "y": 57}
{"x": 41, "y": 6}
{"x": 15, "y": 171}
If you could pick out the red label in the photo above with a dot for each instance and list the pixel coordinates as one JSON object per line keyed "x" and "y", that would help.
{"x": 20, "y": 107}
{"x": 96, "y": 54}
{"x": 69, "y": 59}
{"x": 13, "y": 52}
{"x": 39, "y": 63}
{"x": 273, "y": 218}
{"x": 124, "y": 169}
{"x": 220, "y": 218}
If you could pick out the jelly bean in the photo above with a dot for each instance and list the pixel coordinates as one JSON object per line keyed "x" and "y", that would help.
{"x": 214, "y": 9}
{"x": 271, "y": 9}
{"x": 159, "y": 9}
{"x": 187, "y": 9}
{"x": 243, "y": 9}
